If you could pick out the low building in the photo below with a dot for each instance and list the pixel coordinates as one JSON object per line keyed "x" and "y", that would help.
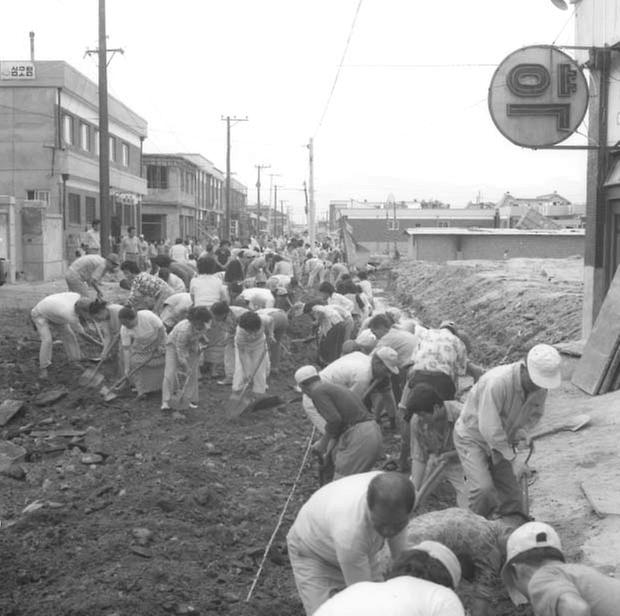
{"x": 381, "y": 230}
{"x": 453, "y": 244}
{"x": 49, "y": 164}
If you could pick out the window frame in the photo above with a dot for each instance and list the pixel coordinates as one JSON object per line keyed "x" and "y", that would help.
{"x": 85, "y": 132}
{"x": 124, "y": 154}
{"x": 68, "y": 128}
{"x": 74, "y": 199}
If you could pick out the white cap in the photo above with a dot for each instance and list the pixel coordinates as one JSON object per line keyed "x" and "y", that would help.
{"x": 543, "y": 365}
{"x": 304, "y": 373}
{"x": 389, "y": 357}
{"x": 445, "y": 556}
{"x": 366, "y": 339}
{"x": 531, "y": 535}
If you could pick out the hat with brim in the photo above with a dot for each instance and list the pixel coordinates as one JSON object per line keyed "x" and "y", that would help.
{"x": 113, "y": 258}
{"x": 544, "y": 366}
{"x": 445, "y": 556}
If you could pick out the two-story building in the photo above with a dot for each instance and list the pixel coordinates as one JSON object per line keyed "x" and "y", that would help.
{"x": 186, "y": 197}
{"x": 49, "y": 163}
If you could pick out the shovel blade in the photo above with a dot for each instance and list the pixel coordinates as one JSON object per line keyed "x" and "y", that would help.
{"x": 179, "y": 403}
{"x": 581, "y": 421}
{"x": 237, "y": 403}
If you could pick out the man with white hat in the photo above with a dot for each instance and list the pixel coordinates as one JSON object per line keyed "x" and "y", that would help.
{"x": 535, "y": 572}
{"x": 422, "y": 583}
{"x": 338, "y": 534}
{"x": 502, "y": 407}
{"x": 352, "y": 439}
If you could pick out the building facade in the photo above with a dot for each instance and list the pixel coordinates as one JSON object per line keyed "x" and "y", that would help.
{"x": 452, "y": 244}
{"x": 50, "y": 154}
{"x": 187, "y": 197}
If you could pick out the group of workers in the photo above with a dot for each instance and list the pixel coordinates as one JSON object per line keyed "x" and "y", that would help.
{"x": 359, "y": 544}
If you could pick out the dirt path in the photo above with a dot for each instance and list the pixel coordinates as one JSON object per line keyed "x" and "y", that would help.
{"x": 210, "y": 492}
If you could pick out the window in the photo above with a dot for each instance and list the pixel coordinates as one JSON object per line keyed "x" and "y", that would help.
{"x": 67, "y": 129}
{"x": 90, "y": 207}
{"x": 393, "y": 225}
{"x": 443, "y": 224}
{"x": 38, "y": 195}
{"x": 127, "y": 214}
{"x": 156, "y": 176}
{"x": 124, "y": 155}
{"x": 85, "y": 136}
{"x": 182, "y": 174}
{"x": 97, "y": 141}
{"x": 75, "y": 214}
{"x": 112, "y": 149}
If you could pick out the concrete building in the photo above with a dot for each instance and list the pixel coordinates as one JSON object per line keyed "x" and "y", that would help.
{"x": 450, "y": 244}
{"x": 49, "y": 164}
{"x": 186, "y": 197}
{"x": 380, "y": 230}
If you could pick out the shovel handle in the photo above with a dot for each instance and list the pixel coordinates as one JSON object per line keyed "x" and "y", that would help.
{"x": 132, "y": 372}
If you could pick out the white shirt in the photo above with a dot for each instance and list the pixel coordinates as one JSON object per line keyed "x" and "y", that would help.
{"x": 366, "y": 288}
{"x": 58, "y": 308}
{"x": 337, "y": 299}
{"x": 258, "y": 298}
{"x": 179, "y": 252}
{"x": 353, "y": 371}
{"x": 176, "y": 283}
{"x": 334, "y": 525}
{"x": 400, "y": 596}
{"x": 206, "y": 289}
{"x": 145, "y": 331}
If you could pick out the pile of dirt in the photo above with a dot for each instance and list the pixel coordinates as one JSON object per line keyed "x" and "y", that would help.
{"x": 504, "y": 307}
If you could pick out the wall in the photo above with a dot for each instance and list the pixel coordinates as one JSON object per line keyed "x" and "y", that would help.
{"x": 386, "y": 247}
{"x": 440, "y": 248}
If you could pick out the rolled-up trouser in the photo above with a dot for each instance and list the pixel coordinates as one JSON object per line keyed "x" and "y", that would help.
{"x": 75, "y": 283}
{"x": 490, "y": 486}
{"x": 357, "y": 449}
{"x": 68, "y": 337}
{"x": 316, "y": 579}
{"x": 171, "y": 382}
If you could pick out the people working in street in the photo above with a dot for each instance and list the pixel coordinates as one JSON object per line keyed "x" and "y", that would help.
{"x": 501, "y": 409}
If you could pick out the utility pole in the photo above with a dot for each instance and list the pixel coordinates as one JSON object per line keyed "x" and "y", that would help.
{"x": 258, "y": 168}
{"x": 104, "y": 132}
{"x": 311, "y": 205}
{"x": 275, "y": 211}
{"x": 226, "y": 227}
{"x": 104, "y": 136}
{"x": 271, "y": 199}
{"x": 282, "y": 215}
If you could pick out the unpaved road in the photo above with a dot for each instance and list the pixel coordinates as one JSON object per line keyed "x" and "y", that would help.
{"x": 210, "y": 492}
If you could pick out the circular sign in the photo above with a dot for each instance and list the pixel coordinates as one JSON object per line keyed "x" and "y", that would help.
{"x": 538, "y": 96}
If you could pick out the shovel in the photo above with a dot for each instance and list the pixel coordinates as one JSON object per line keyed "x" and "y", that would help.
{"x": 91, "y": 377}
{"x": 178, "y": 401}
{"x": 109, "y": 393}
{"x": 573, "y": 425}
{"x": 239, "y": 401}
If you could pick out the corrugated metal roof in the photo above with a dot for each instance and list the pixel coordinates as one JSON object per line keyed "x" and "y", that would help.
{"x": 418, "y": 214}
{"x": 481, "y": 231}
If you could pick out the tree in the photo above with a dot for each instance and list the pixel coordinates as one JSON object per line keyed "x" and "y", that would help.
{"x": 434, "y": 204}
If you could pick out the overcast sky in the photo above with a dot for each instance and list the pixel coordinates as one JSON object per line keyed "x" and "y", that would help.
{"x": 415, "y": 131}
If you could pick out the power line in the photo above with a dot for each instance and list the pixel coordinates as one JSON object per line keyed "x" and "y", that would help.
{"x": 344, "y": 53}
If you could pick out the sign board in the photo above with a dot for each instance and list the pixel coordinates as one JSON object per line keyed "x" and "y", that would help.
{"x": 538, "y": 96}
{"x": 17, "y": 70}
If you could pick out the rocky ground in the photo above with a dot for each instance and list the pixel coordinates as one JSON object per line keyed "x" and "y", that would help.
{"x": 175, "y": 517}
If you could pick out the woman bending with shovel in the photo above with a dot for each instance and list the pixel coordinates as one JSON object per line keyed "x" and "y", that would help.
{"x": 251, "y": 355}
{"x": 183, "y": 349}
{"x": 143, "y": 339}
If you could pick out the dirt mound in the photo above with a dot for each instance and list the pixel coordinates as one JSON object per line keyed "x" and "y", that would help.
{"x": 504, "y": 307}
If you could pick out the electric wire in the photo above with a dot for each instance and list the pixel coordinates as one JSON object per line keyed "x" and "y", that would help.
{"x": 344, "y": 53}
